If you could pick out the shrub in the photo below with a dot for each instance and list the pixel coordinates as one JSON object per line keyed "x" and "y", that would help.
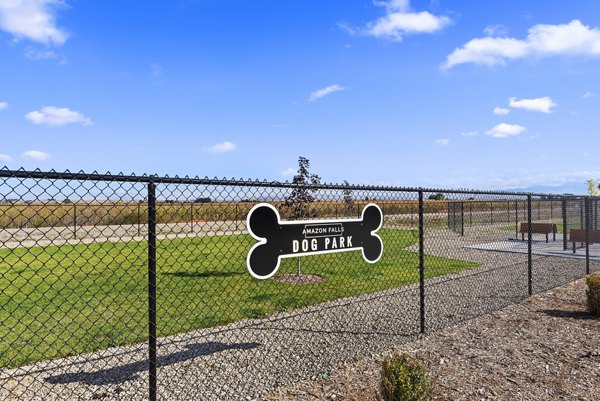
{"x": 404, "y": 378}
{"x": 593, "y": 294}
{"x": 438, "y": 196}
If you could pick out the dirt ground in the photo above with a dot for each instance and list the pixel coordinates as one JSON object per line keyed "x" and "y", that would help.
{"x": 545, "y": 348}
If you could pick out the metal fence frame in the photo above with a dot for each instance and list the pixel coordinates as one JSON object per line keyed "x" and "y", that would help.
{"x": 150, "y": 181}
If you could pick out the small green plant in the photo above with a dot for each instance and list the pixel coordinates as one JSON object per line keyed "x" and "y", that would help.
{"x": 404, "y": 378}
{"x": 593, "y": 294}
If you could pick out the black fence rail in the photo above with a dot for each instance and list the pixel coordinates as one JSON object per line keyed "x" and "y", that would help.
{"x": 136, "y": 287}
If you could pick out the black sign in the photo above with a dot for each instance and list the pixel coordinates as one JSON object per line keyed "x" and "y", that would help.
{"x": 285, "y": 239}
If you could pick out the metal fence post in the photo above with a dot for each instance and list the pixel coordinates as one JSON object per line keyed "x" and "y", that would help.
{"x": 516, "y": 219}
{"x": 592, "y": 207}
{"x": 595, "y": 214}
{"x": 471, "y": 213}
{"x": 587, "y": 234}
{"x": 529, "y": 267}
{"x": 74, "y": 220}
{"x": 565, "y": 226}
{"x": 152, "y": 291}
{"x": 462, "y": 219}
{"x": 591, "y": 216}
{"x": 192, "y": 216}
{"x": 421, "y": 265}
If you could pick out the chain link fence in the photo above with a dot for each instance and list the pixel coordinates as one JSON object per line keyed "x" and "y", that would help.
{"x": 136, "y": 287}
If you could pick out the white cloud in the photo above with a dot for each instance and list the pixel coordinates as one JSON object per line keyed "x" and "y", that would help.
{"x": 5, "y": 158}
{"x": 469, "y": 133}
{"x": 57, "y": 116}
{"x": 346, "y": 27}
{"x": 394, "y": 25}
{"x": 442, "y": 141}
{"x": 325, "y": 91}
{"x": 504, "y": 130}
{"x": 35, "y": 155}
{"x": 399, "y": 20}
{"x": 37, "y": 55}
{"x": 33, "y": 20}
{"x": 500, "y": 111}
{"x": 495, "y": 30}
{"x": 488, "y": 51}
{"x": 3, "y": 105}
{"x": 574, "y": 39}
{"x": 541, "y": 104}
{"x": 393, "y": 5}
{"x": 588, "y": 94}
{"x": 288, "y": 172}
{"x": 223, "y": 147}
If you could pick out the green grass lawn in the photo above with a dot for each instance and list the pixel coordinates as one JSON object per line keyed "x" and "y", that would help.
{"x": 64, "y": 300}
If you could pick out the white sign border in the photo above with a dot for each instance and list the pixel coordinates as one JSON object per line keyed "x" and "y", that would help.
{"x": 262, "y": 241}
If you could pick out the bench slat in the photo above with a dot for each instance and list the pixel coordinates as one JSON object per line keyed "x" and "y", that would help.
{"x": 539, "y": 228}
{"x": 578, "y": 235}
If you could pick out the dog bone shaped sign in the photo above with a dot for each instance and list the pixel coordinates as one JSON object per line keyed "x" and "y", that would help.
{"x": 286, "y": 239}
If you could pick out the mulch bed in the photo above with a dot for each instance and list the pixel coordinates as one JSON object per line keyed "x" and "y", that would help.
{"x": 298, "y": 278}
{"x": 545, "y": 348}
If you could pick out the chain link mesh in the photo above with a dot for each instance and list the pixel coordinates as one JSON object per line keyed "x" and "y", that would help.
{"x": 74, "y": 280}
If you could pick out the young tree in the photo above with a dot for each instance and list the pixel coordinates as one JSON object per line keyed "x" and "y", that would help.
{"x": 348, "y": 198}
{"x": 593, "y": 187}
{"x": 303, "y": 194}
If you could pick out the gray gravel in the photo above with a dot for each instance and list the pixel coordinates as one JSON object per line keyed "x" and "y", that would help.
{"x": 247, "y": 359}
{"x": 542, "y": 348}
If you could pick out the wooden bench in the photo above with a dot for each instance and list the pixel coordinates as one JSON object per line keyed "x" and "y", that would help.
{"x": 539, "y": 228}
{"x": 578, "y": 235}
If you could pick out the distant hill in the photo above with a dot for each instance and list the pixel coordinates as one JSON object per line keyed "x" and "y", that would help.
{"x": 576, "y": 188}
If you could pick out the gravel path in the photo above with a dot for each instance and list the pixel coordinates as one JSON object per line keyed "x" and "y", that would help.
{"x": 252, "y": 358}
{"x": 27, "y": 237}
{"x": 45, "y": 236}
{"x": 544, "y": 348}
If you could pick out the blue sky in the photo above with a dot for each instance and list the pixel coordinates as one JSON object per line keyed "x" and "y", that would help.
{"x": 480, "y": 94}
